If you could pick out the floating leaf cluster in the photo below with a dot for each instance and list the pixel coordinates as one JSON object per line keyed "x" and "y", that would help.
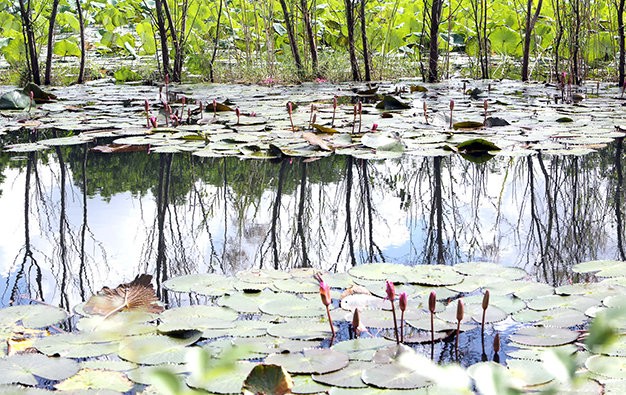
{"x": 277, "y": 318}
{"x": 520, "y": 119}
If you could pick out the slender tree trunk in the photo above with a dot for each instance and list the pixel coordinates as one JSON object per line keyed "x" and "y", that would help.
{"x": 530, "y": 25}
{"x": 485, "y": 40}
{"x": 310, "y": 35}
{"x": 354, "y": 65}
{"x": 50, "y": 44}
{"x": 179, "y": 43}
{"x": 165, "y": 52}
{"x": 366, "y": 55}
{"x": 622, "y": 47}
{"x": 216, "y": 42}
{"x": 576, "y": 42}
{"x": 31, "y": 48}
{"x": 435, "y": 18}
{"x": 557, "y": 41}
{"x": 178, "y": 55}
{"x": 83, "y": 54}
{"x": 292, "y": 39}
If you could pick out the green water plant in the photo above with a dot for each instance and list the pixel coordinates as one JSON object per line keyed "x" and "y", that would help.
{"x": 459, "y": 317}
{"x": 402, "y": 303}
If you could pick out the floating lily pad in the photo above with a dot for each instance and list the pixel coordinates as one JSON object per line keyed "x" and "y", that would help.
{"x": 89, "y": 379}
{"x": 348, "y": 377}
{"x": 380, "y": 271}
{"x": 198, "y": 317}
{"x": 362, "y": 349}
{"x": 531, "y": 373}
{"x": 301, "y": 330}
{"x": 390, "y": 103}
{"x": 23, "y": 368}
{"x": 74, "y": 345}
{"x": 144, "y": 374}
{"x": 607, "y": 366}
{"x": 304, "y": 384}
{"x": 315, "y": 360}
{"x": 290, "y": 305}
{"x": 562, "y": 318}
{"x": 543, "y": 336}
{"x": 433, "y": 275}
{"x": 223, "y": 381}
{"x": 187, "y": 282}
{"x": 580, "y": 303}
{"x": 596, "y": 266}
{"x": 156, "y": 349}
{"x": 32, "y": 316}
{"x": 62, "y": 141}
{"x": 394, "y": 376}
{"x": 489, "y": 269}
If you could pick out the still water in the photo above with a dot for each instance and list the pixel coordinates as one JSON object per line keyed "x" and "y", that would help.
{"x": 74, "y": 221}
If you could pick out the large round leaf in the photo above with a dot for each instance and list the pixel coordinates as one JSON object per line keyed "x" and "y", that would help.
{"x": 607, "y": 366}
{"x": 543, "y": 336}
{"x": 268, "y": 379}
{"x": 394, "y": 376}
{"x": 313, "y": 360}
{"x": 156, "y": 349}
{"x": 88, "y": 379}
{"x": 23, "y": 368}
{"x": 348, "y": 377}
{"x": 32, "y": 316}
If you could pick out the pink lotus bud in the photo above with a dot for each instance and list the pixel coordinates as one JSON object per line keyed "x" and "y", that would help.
{"x": 374, "y": 127}
{"x": 183, "y": 100}
{"x": 325, "y": 293}
{"x": 403, "y": 301}
{"x": 432, "y": 302}
{"x": 253, "y": 114}
{"x": 360, "y": 107}
{"x": 167, "y": 79}
{"x": 425, "y": 108}
{"x": 390, "y": 290}
{"x": 459, "y": 310}
{"x": 201, "y": 106}
{"x": 237, "y": 112}
{"x": 153, "y": 122}
{"x": 496, "y": 343}
{"x": 486, "y": 300}
{"x": 290, "y": 108}
{"x": 334, "y": 102}
{"x": 485, "y": 104}
{"x": 314, "y": 118}
{"x": 31, "y": 94}
{"x": 214, "y": 105}
{"x": 356, "y": 319}
{"x": 146, "y": 105}
{"x": 451, "y": 104}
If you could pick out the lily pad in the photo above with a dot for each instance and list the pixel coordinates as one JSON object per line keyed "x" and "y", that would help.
{"x": 543, "y": 336}
{"x": 607, "y": 366}
{"x": 267, "y": 379}
{"x": 390, "y": 103}
{"x": 314, "y": 360}
{"x": 394, "y": 376}
{"x": 23, "y": 368}
{"x": 32, "y": 316}
{"x": 156, "y": 349}
{"x": 348, "y": 377}
{"x": 90, "y": 379}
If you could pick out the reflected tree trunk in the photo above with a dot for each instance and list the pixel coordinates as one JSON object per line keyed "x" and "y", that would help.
{"x": 63, "y": 228}
{"x": 438, "y": 206}
{"x": 619, "y": 194}
{"x": 82, "y": 270}
{"x": 349, "y": 234}
{"x": 276, "y": 213}
{"x": 300, "y": 227}
{"x": 162, "y": 205}
{"x": 372, "y": 247}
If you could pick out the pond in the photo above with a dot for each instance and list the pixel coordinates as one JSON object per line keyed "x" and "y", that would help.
{"x": 284, "y": 179}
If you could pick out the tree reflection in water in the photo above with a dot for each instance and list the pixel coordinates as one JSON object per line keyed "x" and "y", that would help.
{"x": 169, "y": 215}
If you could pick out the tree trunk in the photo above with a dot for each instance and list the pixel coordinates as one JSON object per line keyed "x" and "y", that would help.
{"x": 50, "y": 45}
{"x": 308, "y": 27}
{"x": 530, "y": 25}
{"x": 292, "y": 39}
{"x": 165, "y": 55}
{"x": 557, "y": 41}
{"x": 31, "y": 49}
{"x": 354, "y": 65}
{"x": 366, "y": 55}
{"x": 178, "y": 55}
{"x": 217, "y": 36}
{"x": 576, "y": 42}
{"x": 81, "y": 21}
{"x": 435, "y": 18}
{"x": 622, "y": 47}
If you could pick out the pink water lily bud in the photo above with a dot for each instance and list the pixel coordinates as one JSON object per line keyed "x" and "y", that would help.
{"x": 390, "y": 290}
{"x": 183, "y": 100}
{"x": 485, "y": 104}
{"x": 325, "y": 293}
{"x": 153, "y": 122}
{"x": 459, "y": 310}
{"x": 31, "y": 94}
{"x": 167, "y": 78}
{"x": 403, "y": 301}
{"x": 360, "y": 107}
{"x": 432, "y": 302}
{"x": 237, "y": 112}
{"x": 374, "y": 127}
{"x": 425, "y": 106}
{"x": 214, "y": 105}
{"x": 290, "y": 108}
{"x": 486, "y": 300}
{"x": 334, "y": 102}
{"x": 146, "y": 105}
{"x": 451, "y": 104}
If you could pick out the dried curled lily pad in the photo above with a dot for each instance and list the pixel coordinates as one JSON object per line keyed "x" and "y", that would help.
{"x": 136, "y": 295}
{"x": 267, "y": 379}
{"x": 544, "y": 337}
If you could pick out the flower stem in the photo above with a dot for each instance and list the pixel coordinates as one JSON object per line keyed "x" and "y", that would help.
{"x": 395, "y": 323}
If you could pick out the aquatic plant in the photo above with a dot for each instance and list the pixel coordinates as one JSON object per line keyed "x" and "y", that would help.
{"x": 451, "y": 109}
{"x": 459, "y": 317}
{"x": 402, "y": 303}
{"x": 432, "y": 305}
{"x": 391, "y": 295}
{"x": 326, "y": 301}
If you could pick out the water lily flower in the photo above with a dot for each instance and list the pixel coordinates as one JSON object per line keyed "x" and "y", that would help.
{"x": 451, "y": 108}
{"x": 153, "y": 122}
{"x": 326, "y": 299}
{"x": 432, "y": 304}
{"x": 374, "y": 127}
{"x": 357, "y": 325}
{"x": 238, "y": 113}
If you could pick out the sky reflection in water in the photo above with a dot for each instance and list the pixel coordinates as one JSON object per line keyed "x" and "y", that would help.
{"x": 170, "y": 215}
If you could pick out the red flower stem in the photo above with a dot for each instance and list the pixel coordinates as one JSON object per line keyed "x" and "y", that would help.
{"x": 432, "y": 328}
{"x": 395, "y": 323}
{"x": 402, "y": 327}
{"x": 456, "y": 344}
{"x": 332, "y": 328}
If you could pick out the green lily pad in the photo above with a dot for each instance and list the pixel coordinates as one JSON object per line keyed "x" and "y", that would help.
{"x": 304, "y": 384}
{"x": 108, "y": 364}
{"x": 32, "y": 316}
{"x": 489, "y": 269}
{"x": 89, "y": 379}
{"x": 23, "y": 368}
{"x": 607, "y": 366}
{"x": 301, "y": 330}
{"x": 243, "y": 328}
{"x": 580, "y": 303}
{"x": 390, "y": 103}
{"x": 14, "y": 100}
{"x": 531, "y": 373}
{"x": 527, "y": 290}
{"x": 223, "y": 381}
{"x": 198, "y": 317}
{"x": 63, "y": 141}
{"x": 156, "y": 349}
{"x": 394, "y": 376}
{"x": 144, "y": 374}
{"x": 314, "y": 360}
{"x": 433, "y": 275}
{"x": 596, "y": 266}
{"x": 467, "y": 125}
{"x": 381, "y": 272}
{"x": 544, "y": 337}
{"x": 290, "y": 305}
{"x": 562, "y": 318}
{"x": 74, "y": 345}
{"x": 348, "y": 377}
{"x": 362, "y": 348}
{"x": 187, "y": 282}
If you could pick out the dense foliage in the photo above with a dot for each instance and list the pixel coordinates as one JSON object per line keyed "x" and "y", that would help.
{"x": 251, "y": 40}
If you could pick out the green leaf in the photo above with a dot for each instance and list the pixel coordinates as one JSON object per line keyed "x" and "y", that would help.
{"x": 88, "y": 379}
{"x": 267, "y": 379}
{"x": 22, "y": 368}
{"x": 66, "y": 48}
